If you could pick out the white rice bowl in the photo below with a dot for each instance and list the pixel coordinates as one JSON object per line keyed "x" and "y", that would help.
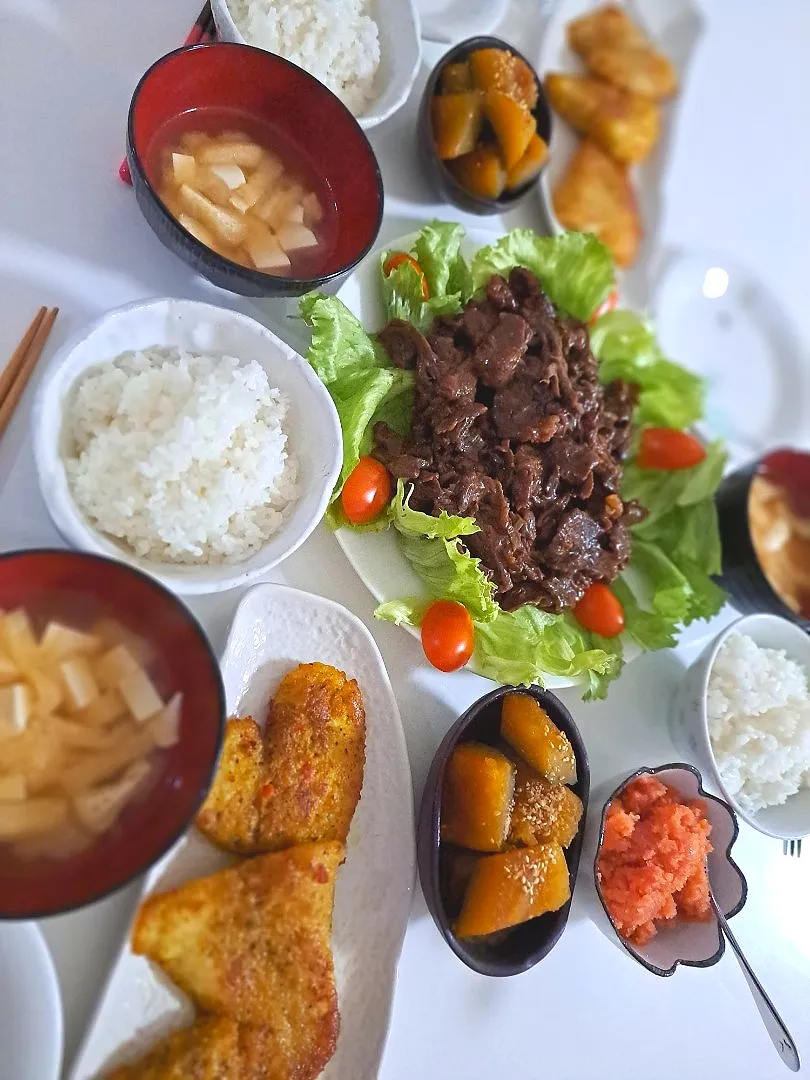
{"x": 758, "y": 713}
{"x": 181, "y": 456}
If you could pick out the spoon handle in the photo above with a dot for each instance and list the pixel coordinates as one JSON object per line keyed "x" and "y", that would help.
{"x": 774, "y": 1024}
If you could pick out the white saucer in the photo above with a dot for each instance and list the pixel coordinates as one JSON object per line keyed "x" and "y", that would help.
{"x": 30, "y": 1005}
{"x": 716, "y": 318}
{"x": 449, "y": 21}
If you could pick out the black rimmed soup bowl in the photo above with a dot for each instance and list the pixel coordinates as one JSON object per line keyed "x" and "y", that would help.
{"x": 437, "y": 171}
{"x": 520, "y": 947}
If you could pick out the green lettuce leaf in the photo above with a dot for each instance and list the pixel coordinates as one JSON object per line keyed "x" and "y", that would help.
{"x": 409, "y": 611}
{"x": 449, "y": 572}
{"x": 670, "y": 396}
{"x": 647, "y": 628}
{"x": 358, "y": 374}
{"x": 445, "y": 526}
{"x": 575, "y": 269}
{"x": 437, "y": 250}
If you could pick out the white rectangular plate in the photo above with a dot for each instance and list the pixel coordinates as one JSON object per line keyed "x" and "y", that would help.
{"x": 275, "y": 628}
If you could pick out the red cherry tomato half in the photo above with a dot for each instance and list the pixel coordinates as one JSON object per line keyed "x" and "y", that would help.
{"x": 600, "y": 611}
{"x": 366, "y": 491}
{"x": 666, "y": 448}
{"x": 448, "y": 636}
{"x": 608, "y": 304}
{"x": 400, "y": 258}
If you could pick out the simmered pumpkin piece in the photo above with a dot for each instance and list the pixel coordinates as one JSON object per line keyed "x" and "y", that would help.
{"x": 513, "y": 125}
{"x": 479, "y": 783}
{"x": 456, "y": 78}
{"x": 527, "y": 728}
{"x": 482, "y": 172}
{"x": 498, "y": 69}
{"x": 529, "y": 165}
{"x": 543, "y": 810}
{"x": 513, "y": 887}
{"x": 457, "y": 120}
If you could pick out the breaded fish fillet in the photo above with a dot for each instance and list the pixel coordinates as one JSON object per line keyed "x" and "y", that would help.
{"x": 301, "y": 782}
{"x": 616, "y": 49}
{"x": 252, "y": 943}
{"x": 595, "y": 195}
{"x": 208, "y": 1050}
{"x": 625, "y": 125}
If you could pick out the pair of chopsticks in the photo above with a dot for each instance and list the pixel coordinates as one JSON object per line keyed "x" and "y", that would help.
{"x": 14, "y": 379}
{"x": 202, "y": 30}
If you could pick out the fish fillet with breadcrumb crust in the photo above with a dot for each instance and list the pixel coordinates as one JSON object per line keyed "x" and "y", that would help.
{"x": 253, "y": 943}
{"x": 208, "y": 1050}
{"x": 302, "y": 781}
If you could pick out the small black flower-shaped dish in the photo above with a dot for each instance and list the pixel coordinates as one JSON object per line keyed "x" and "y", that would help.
{"x": 693, "y": 944}
{"x": 444, "y": 870}
{"x": 437, "y": 171}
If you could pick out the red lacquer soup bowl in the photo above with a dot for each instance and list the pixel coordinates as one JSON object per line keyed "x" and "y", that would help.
{"x": 237, "y": 87}
{"x": 82, "y": 590}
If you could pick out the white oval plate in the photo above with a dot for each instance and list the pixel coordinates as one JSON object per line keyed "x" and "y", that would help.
{"x": 312, "y": 425}
{"x": 674, "y": 26}
{"x": 400, "y": 53}
{"x": 30, "y": 1005}
{"x": 451, "y": 21}
{"x": 275, "y": 628}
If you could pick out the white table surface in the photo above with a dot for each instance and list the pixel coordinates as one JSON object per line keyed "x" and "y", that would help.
{"x": 71, "y": 235}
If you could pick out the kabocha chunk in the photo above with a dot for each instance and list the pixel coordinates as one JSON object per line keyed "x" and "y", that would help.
{"x": 529, "y": 165}
{"x": 479, "y": 784}
{"x": 527, "y": 728}
{"x": 543, "y": 810}
{"x": 513, "y": 887}
{"x": 456, "y": 78}
{"x": 482, "y": 172}
{"x": 457, "y": 120}
{"x": 513, "y": 125}
{"x": 497, "y": 69}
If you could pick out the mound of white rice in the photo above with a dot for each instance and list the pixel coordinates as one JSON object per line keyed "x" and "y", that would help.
{"x": 758, "y": 710}
{"x": 183, "y": 457}
{"x": 337, "y": 41}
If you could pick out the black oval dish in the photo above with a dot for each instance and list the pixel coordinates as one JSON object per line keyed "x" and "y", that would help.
{"x": 443, "y": 180}
{"x": 718, "y": 856}
{"x": 520, "y": 948}
{"x": 741, "y": 575}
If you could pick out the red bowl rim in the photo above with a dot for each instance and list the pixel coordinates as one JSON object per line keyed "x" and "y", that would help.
{"x": 255, "y": 276}
{"x": 143, "y": 867}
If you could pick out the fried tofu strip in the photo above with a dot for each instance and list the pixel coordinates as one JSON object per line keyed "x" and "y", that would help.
{"x": 595, "y": 195}
{"x": 625, "y": 125}
{"x": 616, "y": 49}
{"x": 303, "y": 781}
{"x": 253, "y": 943}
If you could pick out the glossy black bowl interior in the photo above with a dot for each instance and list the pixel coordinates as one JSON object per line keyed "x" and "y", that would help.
{"x": 741, "y": 576}
{"x": 441, "y": 177}
{"x": 518, "y": 949}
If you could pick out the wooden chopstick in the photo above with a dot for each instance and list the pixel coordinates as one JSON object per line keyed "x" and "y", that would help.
{"x": 14, "y": 379}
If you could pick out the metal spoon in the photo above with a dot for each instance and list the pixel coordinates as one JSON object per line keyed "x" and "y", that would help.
{"x": 774, "y": 1024}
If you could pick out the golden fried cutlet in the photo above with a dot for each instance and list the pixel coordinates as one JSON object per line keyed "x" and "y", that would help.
{"x": 304, "y": 782}
{"x": 625, "y": 125}
{"x": 616, "y": 49}
{"x": 595, "y": 195}
{"x": 252, "y": 943}
{"x": 208, "y": 1050}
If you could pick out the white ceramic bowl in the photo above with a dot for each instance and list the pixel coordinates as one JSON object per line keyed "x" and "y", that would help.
{"x": 690, "y": 729}
{"x": 693, "y": 944}
{"x": 30, "y": 1005}
{"x": 400, "y": 53}
{"x": 313, "y": 426}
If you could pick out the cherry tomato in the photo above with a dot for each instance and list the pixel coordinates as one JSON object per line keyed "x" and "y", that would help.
{"x": 600, "y": 611}
{"x": 366, "y": 491}
{"x": 608, "y": 304}
{"x": 666, "y": 448}
{"x": 399, "y": 259}
{"x": 447, "y": 635}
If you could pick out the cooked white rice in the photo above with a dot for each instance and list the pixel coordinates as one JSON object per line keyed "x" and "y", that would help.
{"x": 337, "y": 41}
{"x": 758, "y": 710}
{"x": 181, "y": 456}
